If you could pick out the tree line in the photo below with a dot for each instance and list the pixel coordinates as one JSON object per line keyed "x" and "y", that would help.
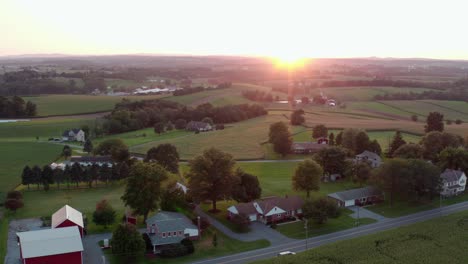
{"x": 198, "y": 89}
{"x": 73, "y": 175}
{"x": 129, "y": 116}
{"x": 16, "y": 107}
{"x": 259, "y": 96}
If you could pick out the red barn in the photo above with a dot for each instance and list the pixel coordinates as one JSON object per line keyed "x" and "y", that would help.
{"x": 51, "y": 246}
{"x": 68, "y": 216}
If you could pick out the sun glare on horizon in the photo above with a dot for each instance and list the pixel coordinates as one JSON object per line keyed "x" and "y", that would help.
{"x": 289, "y": 60}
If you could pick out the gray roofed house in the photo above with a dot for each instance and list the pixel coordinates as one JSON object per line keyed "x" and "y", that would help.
{"x": 166, "y": 228}
{"x": 361, "y": 196}
{"x": 198, "y": 126}
{"x": 371, "y": 157}
{"x": 74, "y": 134}
{"x": 453, "y": 182}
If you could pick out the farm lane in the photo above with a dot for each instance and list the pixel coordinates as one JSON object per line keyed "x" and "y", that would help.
{"x": 300, "y": 245}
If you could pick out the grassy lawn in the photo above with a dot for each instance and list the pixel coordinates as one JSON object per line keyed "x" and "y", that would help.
{"x": 344, "y": 221}
{"x": 401, "y": 208}
{"x": 143, "y": 136}
{"x": 363, "y": 93}
{"x": 205, "y": 249}
{"x": 423, "y": 108}
{"x": 15, "y": 155}
{"x": 42, "y": 128}
{"x": 441, "y": 240}
{"x": 79, "y": 104}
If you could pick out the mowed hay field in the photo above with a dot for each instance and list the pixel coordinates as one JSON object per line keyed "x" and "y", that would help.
{"x": 243, "y": 139}
{"x": 363, "y": 93}
{"x": 405, "y": 109}
{"x": 48, "y": 105}
{"x": 441, "y": 240}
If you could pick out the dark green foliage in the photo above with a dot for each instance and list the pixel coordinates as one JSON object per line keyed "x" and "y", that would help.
{"x": 280, "y": 137}
{"x": 208, "y": 120}
{"x": 127, "y": 241}
{"x": 361, "y": 142}
{"x": 339, "y": 139}
{"x": 241, "y": 222}
{"x": 172, "y": 198}
{"x": 14, "y": 195}
{"x": 47, "y": 177}
{"x": 434, "y": 122}
{"x": 331, "y": 139}
{"x": 36, "y": 175}
{"x": 211, "y": 176}
{"x": 76, "y": 173}
{"x": 248, "y": 188}
{"x": 297, "y": 117}
{"x": 13, "y": 204}
{"x": 397, "y": 142}
{"x": 114, "y": 147}
{"x": 320, "y": 210}
{"x": 307, "y": 176}
{"x": 104, "y": 214}
{"x": 159, "y": 128}
{"x": 361, "y": 172}
{"x": 16, "y": 107}
{"x": 374, "y": 146}
{"x": 409, "y": 151}
{"x": 88, "y": 146}
{"x": 454, "y": 158}
{"x": 27, "y": 176}
{"x": 332, "y": 160}
{"x": 214, "y": 241}
{"x": 143, "y": 190}
{"x": 320, "y": 131}
{"x": 66, "y": 151}
{"x": 165, "y": 155}
{"x": 434, "y": 142}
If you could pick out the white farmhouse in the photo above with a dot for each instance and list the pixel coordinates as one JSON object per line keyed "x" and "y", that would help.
{"x": 453, "y": 182}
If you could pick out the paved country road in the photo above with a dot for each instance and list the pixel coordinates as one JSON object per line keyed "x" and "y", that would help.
{"x": 300, "y": 245}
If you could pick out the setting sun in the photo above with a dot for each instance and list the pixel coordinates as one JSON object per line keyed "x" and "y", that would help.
{"x": 289, "y": 60}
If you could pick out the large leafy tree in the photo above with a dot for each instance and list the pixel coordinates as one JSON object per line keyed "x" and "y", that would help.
{"x": 280, "y": 137}
{"x": 320, "y": 131}
{"x": 172, "y": 198}
{"x": 66, "y": 151}
{"x": 361, "y": 142}
{"x": 211, "y": 176}
{"x": 454, "y": 158}
{"x": 36, "y": 175}
{"x": 374, "y": 146}
{"x": 392, "y": 177}
{"x": 127, "y": 241}
{"x": 307, "y": 176}
{"x": 397, "y": 142}
{"x": 297, "y": 117}
{"x": 348, "y": 138}
{"x": 143, "y": 190}
{"x": 76, "y": 173}
{"x": 159, "y": 128}
{"x": 434, "y": 142}
{"x": 114, "y": 147}
{"x": 361, "y": 172}
{"x": 331, "y": 139}
{"x": 423, "y": 180}
{"x": 409, "y": 151}
{"x": 332, "y": 160}
{"x": 434, "y": 122}
{"x": 247, "y": 189}
{"x": 320, "y": 210}
{"x": 165, "y": 155}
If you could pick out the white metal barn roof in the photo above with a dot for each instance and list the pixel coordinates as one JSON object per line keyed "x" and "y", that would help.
{"x": 67, "y": 212}
{"x": 50, "y": 242}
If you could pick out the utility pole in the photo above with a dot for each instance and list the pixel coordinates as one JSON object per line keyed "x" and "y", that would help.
{"x": 306, "y": 229}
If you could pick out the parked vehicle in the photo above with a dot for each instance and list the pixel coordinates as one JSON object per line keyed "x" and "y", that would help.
{"x": 286, "y": 253}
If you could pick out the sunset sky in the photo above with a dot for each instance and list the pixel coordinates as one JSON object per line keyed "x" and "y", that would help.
{"x": 285, "y": 29}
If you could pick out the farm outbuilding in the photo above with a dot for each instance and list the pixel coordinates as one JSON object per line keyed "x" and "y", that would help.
{"x": 51, "y": 246}
{"x": 68, "y": 216}
{"x": 359, "y": 197}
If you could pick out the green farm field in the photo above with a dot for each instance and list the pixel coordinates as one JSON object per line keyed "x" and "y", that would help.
{"x": 363, "y": 93}
{"x": 15, "y": 155}
{"x": 441, "y": 240}
{"x": 48, "y": 105}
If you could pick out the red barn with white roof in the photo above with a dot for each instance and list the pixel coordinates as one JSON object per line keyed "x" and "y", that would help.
{"x": 68, "y": 216}
{"x": 51, "y": 246}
